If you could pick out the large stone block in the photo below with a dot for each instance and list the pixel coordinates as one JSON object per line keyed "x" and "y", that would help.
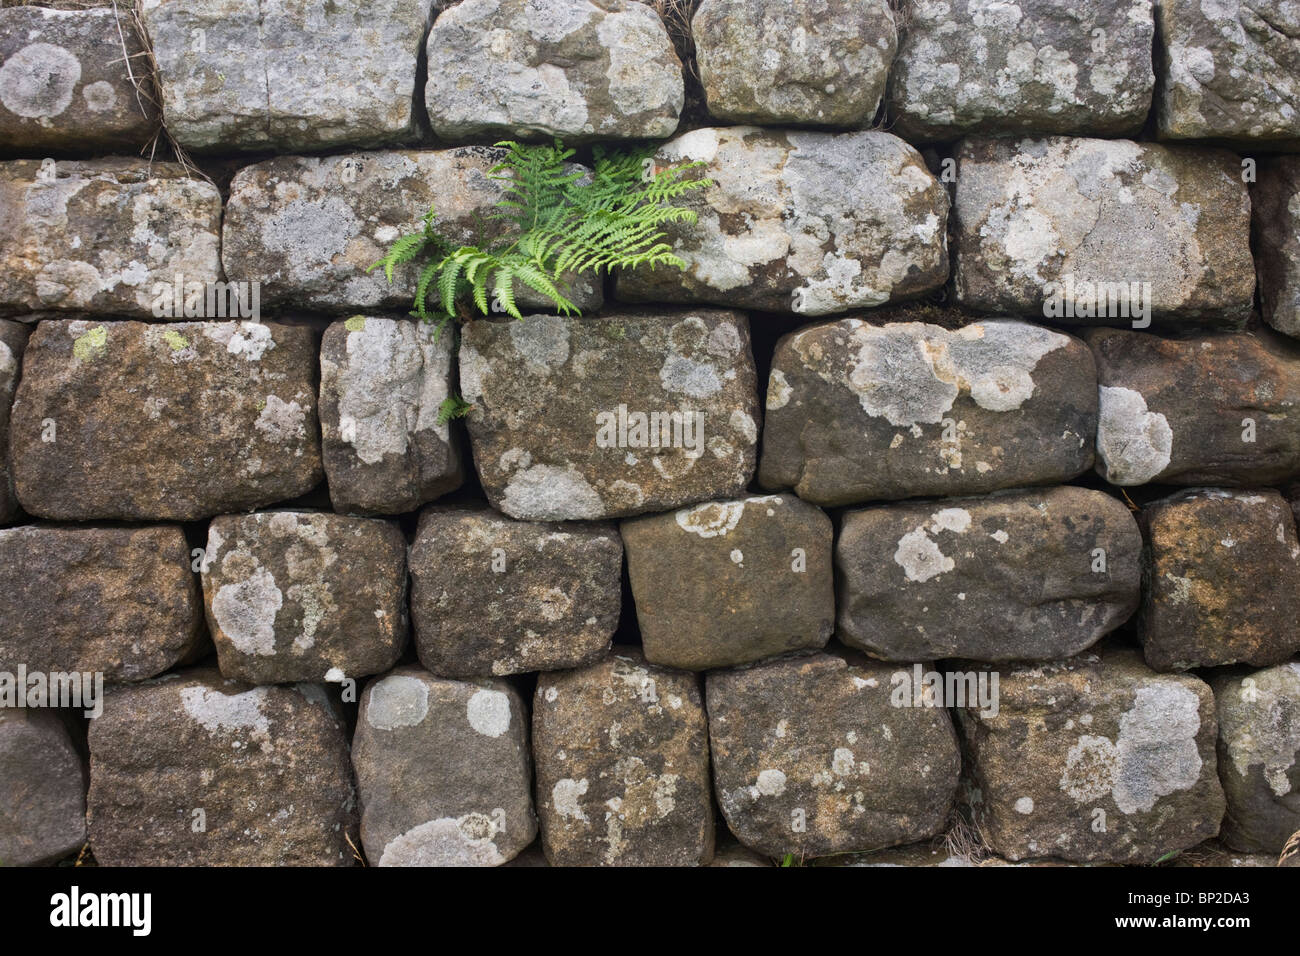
{"x": 574, "y": 69}
{"x": 1089, "y": 231}
{"x": 42, "y": 788}
{"x": 609, "y": 417}
{"x": 857, "y": 412}
{"x": 196, "y": 770}
{"x": 491, "y": 596}
{"x": 103, "y": 235}
{"x": 805, "y": 222}
{"x": 443, "y": 771}
{"x": 164, "y": 422}
{"x": 1020, "y": 575}
{"x": 117, "y": 601}
{"x": 383, "y": 382}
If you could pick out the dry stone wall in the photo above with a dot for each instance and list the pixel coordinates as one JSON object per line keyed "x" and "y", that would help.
{"x": 940, "y": 510}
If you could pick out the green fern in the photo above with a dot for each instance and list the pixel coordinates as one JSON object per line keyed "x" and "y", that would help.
{"x": 453, "y": 407}
{"x": 562, "y": 222}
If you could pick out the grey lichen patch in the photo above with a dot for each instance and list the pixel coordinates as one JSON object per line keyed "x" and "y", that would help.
{"x": 1134, "y": 444}
{"x": 246, "y": 612}
{"x": 466, "y": 841}
{"x": 397, "y": 701}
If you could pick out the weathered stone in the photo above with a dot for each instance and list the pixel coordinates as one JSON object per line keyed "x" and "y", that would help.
{"x": 264, "y": 770}
{"x": 571, "y": 418}
{"x": 811, "y": 758}
{"x": 794, "y": 62}
{"x": 304, "y": 596}
{"x": 857, "y": 412}
{"x": 729, "y": 582}
{"x": 13, "y": 339}
{"x": 443, "y": 771}
{"x": 732, "y": 854}
{"x": 575, "y": 69}
{"x": 382, "y": 385}
{"x": 103, "y": 235}
{"x": 308, "y": 227}
{"x": 1020, "y": 575}
{"x": 1091, "y": 230}
{"x": 42, "y": 788}
{"x": 1213, "y": 853}
{"x": 813, "y": 223}
{"x": 1201, "y": 546}
{"x": 241, "y": 74}
{"x": 1213, "y": 409}
{"x": 1275, "y": 201}
{"x": 1259, "y": 756}
{"x": 65, "y": 82}
{"x": 117, "y": 601}
{"x": 622, "y": 765}
{"x": 1095, "y": 759}
{"x": 1230, "y": 71}
{"x": 164, "y": 422}
{"x": 1039, "y": 66}
{"x": 491, "y": 596}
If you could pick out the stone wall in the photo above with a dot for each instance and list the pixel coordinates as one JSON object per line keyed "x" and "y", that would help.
{"x": 939, "y": 511}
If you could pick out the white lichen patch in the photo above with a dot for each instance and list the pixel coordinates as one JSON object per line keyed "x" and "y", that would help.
{"x": 447, "y": 841}
{"x": 398, "y": 700}
{"x": 245, "y": 611}
{"x": 219, "y": 712}
{"x": 551, "y": 493}
{"x": 488, "y": 712}
{"x": 1134, "y": 444}
{"x": 711, "y": 520}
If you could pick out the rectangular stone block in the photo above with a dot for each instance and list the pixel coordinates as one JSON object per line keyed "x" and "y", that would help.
{"x": 1275, "y": 200}
{"x": 173, "y": 422}
{"x": 805, "y": 222}
{"x": 604, "y": 418}
{"x": 101, "y": 235}
{"x": 13, "y": 339}
{"x": 1089, "y": 231}
{"x": 857, "y": 412}
{"x": 42, "y": 788}
{"x": 121, "y": 602}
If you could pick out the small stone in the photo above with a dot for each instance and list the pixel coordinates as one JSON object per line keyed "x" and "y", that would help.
{"x": 443, "y": 771}
{"x": 305, "y": 596}
{"x": 1094, "y": 759}
{"x": 121, "y": 602}
{"x": 42, "y": 788}
{"x": 623, "y": 765}
{"x": 794, "y": 62}
{"x": 1020, "y": 575}
{"x": 383, "y": 382}
{"x": 729, "y": 582}
{"x": 811, "y": 758}
{"x": 194, "y": 770}
{"x": 491, "y": 596}
{"x": 1201, "y": 546}
{"x": 1275, "y": 201}
{"x": 859, "y": 412}
{"x": 175, "y": 422}
{"x": 585, "y": 418}
{"x": 13, "y": 339}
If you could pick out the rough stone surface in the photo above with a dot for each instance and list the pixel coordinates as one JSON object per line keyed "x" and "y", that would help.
{"x": 794, "y": 62}
{"x": 1275, "y": 200}
{"x": 729, "y": 582}
{"x": 1014, "y": 576}
{"x": 1095, "y": 759}
{"x": 1259, "y": 756}
{"x": 1200, "y": 410}
{"x": 491, "y": 596}
{"x": 100, "y": 235}
{"x": 1042, "y": 222}
{"x": 64, "y": 84}
{"x": 164, "y": 422}
{"x": 309, "y": 227}
{"x": 805, "y": 222}
{"x": 266, "y": 766}
{"x": 1037, "y": 66}
{"x": 443, "y": 771}
{"x": 1202, "y": 546}
{"x": 858, "y": 412}
{"x": 811, "y": 758}
{"x": 13, "y": 339}
{"x": 575, "y": 69}
{"x": 1230, "y": 71}
{"x": 622, "y": 754}
{"x": 304, "y": 596}
{"x": 554, "y": 399}
{"x": 42, "y": 789}
{"x": 383, "y": 382}
{"x": 243, "y": 74}
{"x": 118, "y": 601}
